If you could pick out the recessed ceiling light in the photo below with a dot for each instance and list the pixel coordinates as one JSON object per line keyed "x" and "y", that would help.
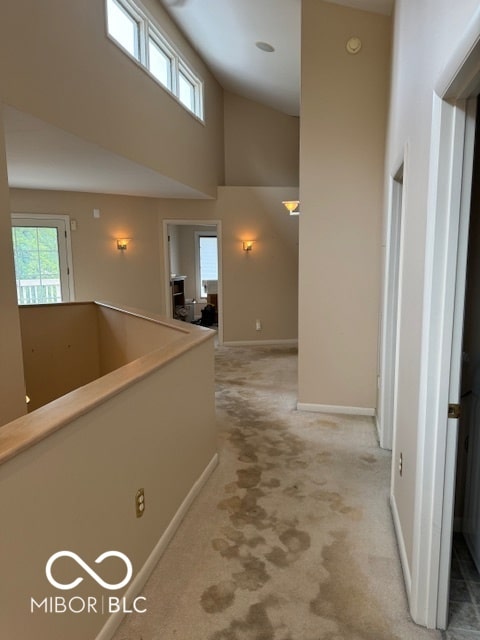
{"x": 264, "y": 46}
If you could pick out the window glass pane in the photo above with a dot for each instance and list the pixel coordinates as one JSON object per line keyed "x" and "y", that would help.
{"x": 49, "y": 267}
{"x": 37, "y": 264}
{"x": 123, "y": 27}
{"x": 159, "y": 63}
{"x": 186, "y": 92}
{"x": 47, "y": 238}
{"x": 208, "y": 261}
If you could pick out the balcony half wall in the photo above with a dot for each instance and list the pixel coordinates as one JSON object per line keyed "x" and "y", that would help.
{"x": 70, "y": 470}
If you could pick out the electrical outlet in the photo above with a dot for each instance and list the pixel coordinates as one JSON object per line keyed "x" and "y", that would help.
{"x": 258, "y": 325}
{"x": 140, "y": 503}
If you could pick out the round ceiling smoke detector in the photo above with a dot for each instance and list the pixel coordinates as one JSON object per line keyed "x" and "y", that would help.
{"x": 354, "y": 45}
{"x": 265, "y": 46}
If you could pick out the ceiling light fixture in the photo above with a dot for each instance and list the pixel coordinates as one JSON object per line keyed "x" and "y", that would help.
{"x": 292, "y": 205}
{"x": 265, "y": 46}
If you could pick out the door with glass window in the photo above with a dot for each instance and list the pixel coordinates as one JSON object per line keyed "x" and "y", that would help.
{"x": 41, "y": 254}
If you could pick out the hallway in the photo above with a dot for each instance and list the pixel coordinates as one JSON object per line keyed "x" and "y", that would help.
{"x": 291, "y": 538}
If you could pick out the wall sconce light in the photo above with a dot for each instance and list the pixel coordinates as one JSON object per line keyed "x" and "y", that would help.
{"x": 122, "y": 243}
{"x": 247, "y": 245}
{"x": 292, "y": 205}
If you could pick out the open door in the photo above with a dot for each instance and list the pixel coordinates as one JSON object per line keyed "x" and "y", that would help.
{"x": 456, "y": 366}
{"x": 471, "y": 363}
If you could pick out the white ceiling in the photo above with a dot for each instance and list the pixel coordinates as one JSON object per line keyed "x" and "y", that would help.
{"x": 224, "y": 32}
{"x": 41, "y": 156}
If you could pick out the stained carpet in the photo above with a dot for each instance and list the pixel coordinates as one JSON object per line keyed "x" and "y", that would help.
{"x": 291, "y": 538}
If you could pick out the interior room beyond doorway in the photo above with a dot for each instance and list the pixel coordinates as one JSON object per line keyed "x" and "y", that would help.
{"x": 193, "y": 268}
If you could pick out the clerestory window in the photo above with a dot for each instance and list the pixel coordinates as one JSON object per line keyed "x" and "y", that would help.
{"x": 129, "y": 27}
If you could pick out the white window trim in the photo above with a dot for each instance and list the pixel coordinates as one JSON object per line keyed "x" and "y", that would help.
{"x": 148, "y": 28}
{"x": 153, "y": 35}
{"x": 131, "y": 11}
{"x": 17, "y": 219}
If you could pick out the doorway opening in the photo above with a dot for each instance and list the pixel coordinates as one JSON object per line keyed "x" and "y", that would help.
{"x": 427, "y": 566}
{"x": 42, "y": 256}
{"x": 464, "y": 596}
{"x": 193, "y": 268}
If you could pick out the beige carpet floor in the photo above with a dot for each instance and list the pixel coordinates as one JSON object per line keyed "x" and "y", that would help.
{"x": 291, "y": 538}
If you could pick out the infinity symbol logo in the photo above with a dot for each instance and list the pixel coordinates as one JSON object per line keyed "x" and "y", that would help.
{"x": 89, "y": 570}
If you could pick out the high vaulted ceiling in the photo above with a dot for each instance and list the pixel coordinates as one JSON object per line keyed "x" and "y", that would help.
{"x": 225, "y": 33}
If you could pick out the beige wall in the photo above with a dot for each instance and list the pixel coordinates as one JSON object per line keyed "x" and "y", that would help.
{"x": 261, "y": 144}
{"x": 60, "y": 349}
{"x": 76, "y": 490}
{"x": 102, "y": 272}
{"x": 263, "y": 284}
{"x": 12, "y": 387}
{"x": 124, "y": 337}
{"x": 68, "y": 73}
{"x": 67, "y": 346}
{"x": 342, "y": 146}
{"x": 437, "y": 28}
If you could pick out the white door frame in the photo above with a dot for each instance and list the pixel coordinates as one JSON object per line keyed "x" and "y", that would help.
{"x": 455, "y": 364}
{"x": 166, "y": 262}
{"x": 62, "y": 223}
{"x": 436, "y": 434}
{"x": 391, "y": 305}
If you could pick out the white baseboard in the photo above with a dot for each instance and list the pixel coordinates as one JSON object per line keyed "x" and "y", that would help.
{"x": 330, "y": 408}
{"x": 401, "y": 547}
{"x": 260, "y": 343}
{"x": 142, "y": 576}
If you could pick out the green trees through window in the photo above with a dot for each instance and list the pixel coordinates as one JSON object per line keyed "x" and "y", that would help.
{"x": 36, "y": 253}
{"x": 37, "y": 268}
{"x": 41, "y": 264}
